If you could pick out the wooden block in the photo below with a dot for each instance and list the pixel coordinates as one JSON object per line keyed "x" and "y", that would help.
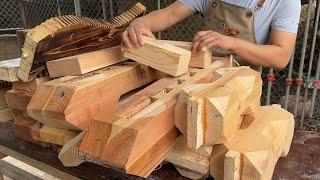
{"x": 84, "y": 63}
{"x": 56, "y": 135}
{"x": 18, "y": 100}
{"x": 189, "y": 174}
{"x": 161, "y": 56}
{"x": 27, "y": 129}
{"x": 136, "y": 145}
{"x": 3, "y": 101}
{"x": 201, "y": 60}
{"x": 70, "y": 102}
{"x": 215, "y": 110}
{"x": 5, "y": 115}
{"x": 189, "y": 159}
{"x": 260, "y": 145}
{"x": 217, "y": 161}
{"x": 29, "y": 87}
{"x": 21, "y": 36}
{"x": 69, "y": 154}
{"x": 9, "y": 69}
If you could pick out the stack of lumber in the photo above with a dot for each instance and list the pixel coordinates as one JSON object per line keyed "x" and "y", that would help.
{"x": 75, "y": 91}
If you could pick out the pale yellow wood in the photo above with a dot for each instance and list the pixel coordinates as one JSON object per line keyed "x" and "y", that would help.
{"x": 161, "y": 56}
{"x": 200, "y": 60}
{"x": 56, "y": 135}
{"x": 9, "y": 69}
{"x": 69, "y": 154}
{"x": 217, "y": 161}
{"x": 187, "y": 158}
{"x": 5, "y": 115}
{"x": 3, "y": 101}
{"x": 84, "y": 63}
{"x": 260, "y": 145}
{"x": 234, "y": 94}
{"x": 232, "y": 165}
{"x": 195, "y": 127}
{"x": 190, "y": 174}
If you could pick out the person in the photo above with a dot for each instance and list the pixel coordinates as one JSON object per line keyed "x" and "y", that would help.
{"x": 259, "y": 32}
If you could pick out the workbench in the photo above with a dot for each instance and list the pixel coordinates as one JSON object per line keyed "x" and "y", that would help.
{"x": 303, "y": 161}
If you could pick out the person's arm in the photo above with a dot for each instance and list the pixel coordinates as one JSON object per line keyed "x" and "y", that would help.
{"x": 154, "y": 22}
{"x": 277, "y": 54}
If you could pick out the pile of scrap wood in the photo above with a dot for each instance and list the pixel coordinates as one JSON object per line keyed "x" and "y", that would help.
{"x": 75, "y": 91}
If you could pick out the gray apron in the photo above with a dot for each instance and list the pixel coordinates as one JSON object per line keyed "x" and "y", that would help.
{"x": 235, "y": 21}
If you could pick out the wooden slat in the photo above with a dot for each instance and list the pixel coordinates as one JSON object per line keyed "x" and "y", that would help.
{"x": 56, "y": 135}
{"x": 161, "y": 56}
{"x": 13, "y": 172}
{"x": 83, "y": 63}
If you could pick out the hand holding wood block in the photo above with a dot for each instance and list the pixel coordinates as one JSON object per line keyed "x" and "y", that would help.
{"x": 161, "y": 56}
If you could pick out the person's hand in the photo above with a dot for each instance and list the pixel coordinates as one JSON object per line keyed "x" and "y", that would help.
{"x": 211, "y": 39}
{"x": 132, "y": 37}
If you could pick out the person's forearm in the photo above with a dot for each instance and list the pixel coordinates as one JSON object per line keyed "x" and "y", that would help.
{"x": 164, "y": 18}
{"x": 262, "y": 55}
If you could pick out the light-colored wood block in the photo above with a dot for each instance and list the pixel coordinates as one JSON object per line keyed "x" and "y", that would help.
{"x": 260, "y": 146}
{"x": 161, "y": 56}
{"x": 71, "y": 102}
{"x": 56, "y": 135}
{"x": 201, "y": 60}
{"x": 5, "y": 115}
{"x": 3, "y": 101}
{"x": 69, "y": 154}
{"x": 137, "y": 144}
{"x": 84, "y": 63}
{"x": 9, "y": 69}
{"x": 215, "y": 110}
{"x": 18, "y": 100}
{"x": 189, "y": 159}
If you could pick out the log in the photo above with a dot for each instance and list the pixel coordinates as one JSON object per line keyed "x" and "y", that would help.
{"x": 56, "y": 135}
{"x": 5, "y": 115}
{"x": 257, "y": 147}
{"x": 201, "y": 60}
{"x": 69, "y": 154}
{"x": 137, "y": 144}
{"x": 161, "y": 56}
{"x": 71, "y": 102}
{"x": 18, "y": 100}
{"x": 209, "y": 114}
{"x": 9, "y": 69}
{"x": 84, "y": 63}
{"x": 196, "y": 161}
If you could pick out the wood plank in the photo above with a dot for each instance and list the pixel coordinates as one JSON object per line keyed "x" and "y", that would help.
{"x": 3, "y": 101}
{"x": 259, "y": 146}
{"x": 5, "y": 115}
{"x": 161, "y": 56}
{"x": 69, "y": 154}
{"x": 190, "y": 174}
{"x": 39, "y": 165}
{"x": 56, "y": 135}
{"x": 18, "y": 100}
{"x": 70, "y": 102}
{"x": 9, "y": 69}
{"x": 13, "y": 172}
{"x": 201, "y": 60}
{"x": 137, "y": 144}
{"x": 84, "y": 63}
{"x": 195, "y": 161}
{"x": 29, "y": 87}
{"x": 215, "y": 110}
